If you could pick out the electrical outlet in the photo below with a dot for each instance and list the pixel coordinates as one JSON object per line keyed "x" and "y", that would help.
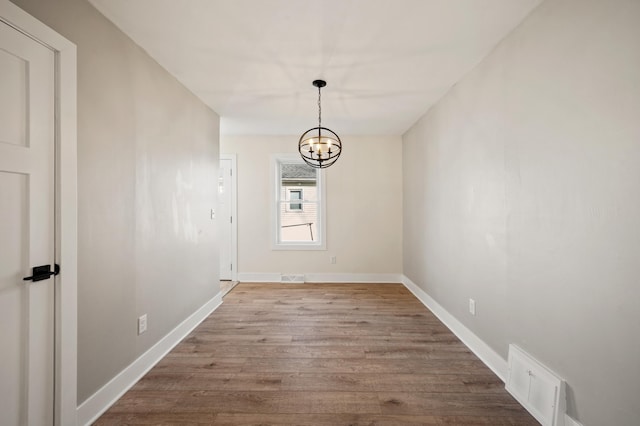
{"x": 472, "y": 307}
{"x": 142, "y": 324}
{"x": 333, "y": 260}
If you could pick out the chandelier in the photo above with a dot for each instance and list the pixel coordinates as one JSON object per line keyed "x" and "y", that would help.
{"x": 319, "y": 147}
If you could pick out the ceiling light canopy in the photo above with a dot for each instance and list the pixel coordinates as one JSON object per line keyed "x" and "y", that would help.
{"x": 320, "y": 147}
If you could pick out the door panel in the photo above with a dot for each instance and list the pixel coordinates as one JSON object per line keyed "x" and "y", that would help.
{"x": 224, "y": 213}
{"x": 13, "y": 86}
{"x": 26, "y": 229}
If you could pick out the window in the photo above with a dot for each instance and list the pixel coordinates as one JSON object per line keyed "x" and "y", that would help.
{"x": 298, "y": 210}
{"x": 295, "y": 194}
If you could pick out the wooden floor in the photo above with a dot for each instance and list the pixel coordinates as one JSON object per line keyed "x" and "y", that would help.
{"x": 226, "y": 286}
{"x": 319, "y": 354}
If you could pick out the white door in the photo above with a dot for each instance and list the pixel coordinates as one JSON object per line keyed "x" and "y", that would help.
{"x": 26, "y": 229}
{"x": 225, "y": 217}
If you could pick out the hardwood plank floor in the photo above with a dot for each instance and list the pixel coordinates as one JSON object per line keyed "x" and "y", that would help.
{"x": 319, "y": 354}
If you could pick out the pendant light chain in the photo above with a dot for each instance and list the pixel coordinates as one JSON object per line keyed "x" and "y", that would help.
{"x": 319, "y": 107}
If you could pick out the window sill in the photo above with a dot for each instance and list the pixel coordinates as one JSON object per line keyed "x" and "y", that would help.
{"x": 298, "y": 247}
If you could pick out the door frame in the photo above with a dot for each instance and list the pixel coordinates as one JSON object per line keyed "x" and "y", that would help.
{"x": 66, "y": 249}
{"x": 234, "y": 213}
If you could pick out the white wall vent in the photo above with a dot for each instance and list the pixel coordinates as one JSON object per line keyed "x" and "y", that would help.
{"x": 537, "y": 388}
{"x": 292, "y": 278}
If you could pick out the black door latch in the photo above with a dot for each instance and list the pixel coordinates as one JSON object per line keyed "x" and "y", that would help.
{"x": 42, "y": 273}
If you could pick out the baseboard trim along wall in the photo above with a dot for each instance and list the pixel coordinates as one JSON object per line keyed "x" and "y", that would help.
{"x": 353, "y": 278}
{"x": 495, "y": 362}
{"x": 99, "y": 402}
{"x": 568, "y": 421}
{"x": 270, "y": 277}
{"x": 259, "y": 277}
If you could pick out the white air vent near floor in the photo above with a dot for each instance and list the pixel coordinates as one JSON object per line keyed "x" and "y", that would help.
{"x": 292, "y": 278}
{"x": 536, "y": 387}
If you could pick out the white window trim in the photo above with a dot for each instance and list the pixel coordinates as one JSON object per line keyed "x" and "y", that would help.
{"x": 321, "y": 244}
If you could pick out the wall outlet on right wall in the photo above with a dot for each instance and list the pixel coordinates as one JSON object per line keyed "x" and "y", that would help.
{"x": 472, "y": 307}
{"x": 142, "y": 324}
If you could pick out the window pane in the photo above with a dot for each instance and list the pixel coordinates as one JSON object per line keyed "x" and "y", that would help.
{"x": 299, "y": 193}
{"x": 298, "y": 220}
{"x": 295, "y": 194}
{"x": 297, "y": 172}
{"x": 299, "y": 225}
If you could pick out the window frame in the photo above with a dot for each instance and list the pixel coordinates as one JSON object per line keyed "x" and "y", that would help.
{"x": 276, "y": 191}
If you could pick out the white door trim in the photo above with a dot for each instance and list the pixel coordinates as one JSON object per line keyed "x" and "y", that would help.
{"x": 234, "y": 214}
{"x": 66, "y": 206}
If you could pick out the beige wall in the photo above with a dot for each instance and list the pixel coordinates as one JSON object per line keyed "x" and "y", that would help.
{"x": 147, "y": 167}
{"x": 521, "y": 190}
{"x": 364, "y": 202}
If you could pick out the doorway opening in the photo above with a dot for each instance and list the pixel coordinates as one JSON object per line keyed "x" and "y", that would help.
{"x": 228, "y": 227}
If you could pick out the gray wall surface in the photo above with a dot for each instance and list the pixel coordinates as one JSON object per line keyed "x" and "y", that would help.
{"x": 522, "y": 191}
{"x": 147, "y": 173}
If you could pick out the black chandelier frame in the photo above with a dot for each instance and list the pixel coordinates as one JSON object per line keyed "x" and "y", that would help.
{"x": 317, "y": 149}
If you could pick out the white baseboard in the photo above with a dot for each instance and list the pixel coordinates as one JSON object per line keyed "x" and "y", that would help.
{"x": 495, "y": 362}
{"x": 258, "y": 277}
{"x": 99, "y": 402}
{"x": 270, "y": 277}
{"x": 352, "y": 278}
{"x": 568, "y": 421}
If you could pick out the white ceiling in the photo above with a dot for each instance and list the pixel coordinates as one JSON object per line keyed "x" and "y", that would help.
{"x": 252, "y": 61}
